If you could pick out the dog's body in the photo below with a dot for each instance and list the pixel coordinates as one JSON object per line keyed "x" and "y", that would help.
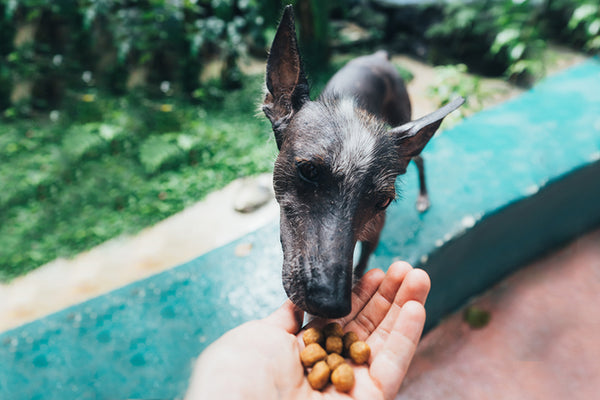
{"x": 375, "y": 85}
{"x": 337, "y": 166}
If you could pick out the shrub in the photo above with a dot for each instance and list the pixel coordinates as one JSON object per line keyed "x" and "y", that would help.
{"x": 491, "y": 36}
{"x": 118, "y": 45}
{"x": 575, "y": 22}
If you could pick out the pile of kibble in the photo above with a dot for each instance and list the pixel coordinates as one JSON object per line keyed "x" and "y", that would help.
{"x": 323, "y": 356}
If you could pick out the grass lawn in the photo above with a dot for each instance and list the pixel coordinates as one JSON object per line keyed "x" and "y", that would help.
{"x": 108, "y": 166}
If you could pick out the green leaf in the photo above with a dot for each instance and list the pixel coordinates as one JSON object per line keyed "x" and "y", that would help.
{"x": 517, "y": 51}
{"x": 503, "y": 38}
{"x": 593, "y": 44}
{"x": 581, "y": 13}
{"x": 81, "y": 140}
{"x": 110, "y": 132}
{"x": 464, "y": 17}
{"x": 156, "y": 151}
{"x": 186, "y": 142}
{"x": 594, "y": 27}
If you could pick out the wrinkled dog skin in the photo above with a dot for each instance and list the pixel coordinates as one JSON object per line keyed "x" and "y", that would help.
{"x": 337, "y": 166}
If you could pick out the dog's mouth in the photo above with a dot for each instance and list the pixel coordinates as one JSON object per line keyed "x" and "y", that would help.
{"x": 319, "y": 288}
{"x": 321, "y": 301}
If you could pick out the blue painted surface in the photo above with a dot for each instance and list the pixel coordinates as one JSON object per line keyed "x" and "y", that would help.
{"x": 496, "y": 158}
{"x": 140, "y": 341}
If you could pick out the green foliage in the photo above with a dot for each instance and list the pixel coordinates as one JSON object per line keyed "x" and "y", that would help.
{"x": 70, "y": 184}
{"x": 157, "y": 151}
{"x": 497, "y": 36}
{"x": 576, "y": 22}
{"x": 119, "y": 45}
{"x": 82, "y": 140}
{"x": 452, "y": 81}
{"x": 509, "y": 36}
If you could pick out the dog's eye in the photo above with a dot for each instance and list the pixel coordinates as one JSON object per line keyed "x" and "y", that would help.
{"x": 308, "y": 171}
{"x": 383, "y": 204}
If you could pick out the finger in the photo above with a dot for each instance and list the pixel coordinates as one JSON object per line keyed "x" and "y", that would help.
{"x": 415, "y": 287}
{"x": 287, "y": 317}
{"x": 370, "y": 316}
{"x": 389, "y": 366}
{"x": 361, "y": 293}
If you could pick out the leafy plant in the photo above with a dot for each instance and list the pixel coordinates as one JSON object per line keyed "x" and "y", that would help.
{"x": 69, "y": 184}
{"x": 82, "y": 140}
{"x": 452, "y": 81}
{"x": 492, "y": 36}
{"x": 585, "y": 24}
{"x": 120, "y": 45}
{"x": 157, "y": 151}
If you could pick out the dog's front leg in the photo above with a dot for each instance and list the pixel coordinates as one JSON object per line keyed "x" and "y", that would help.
{"x": 423, "y": 199}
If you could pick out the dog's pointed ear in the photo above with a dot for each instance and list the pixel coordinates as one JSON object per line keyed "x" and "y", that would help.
{"x": 287, "y": 86}
{"x": 412, "y": 137}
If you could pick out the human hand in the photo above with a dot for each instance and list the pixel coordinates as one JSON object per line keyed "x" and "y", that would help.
{"x": 261, "y": 359}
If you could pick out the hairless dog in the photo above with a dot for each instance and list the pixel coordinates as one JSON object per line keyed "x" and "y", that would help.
{"x": 336, "y": 170}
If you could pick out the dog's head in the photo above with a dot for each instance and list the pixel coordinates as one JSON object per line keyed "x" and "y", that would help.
{"x": 334, "y": 176}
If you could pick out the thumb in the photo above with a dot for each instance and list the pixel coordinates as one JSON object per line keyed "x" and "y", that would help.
{"x": 287, "y": 317}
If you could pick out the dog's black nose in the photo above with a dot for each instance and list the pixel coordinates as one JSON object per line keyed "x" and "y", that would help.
{"x": 330, "y": 299}
{"x": 328, "y": 307}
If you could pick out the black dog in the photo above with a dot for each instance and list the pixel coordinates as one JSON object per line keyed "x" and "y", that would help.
{"x": 337, "y": 166}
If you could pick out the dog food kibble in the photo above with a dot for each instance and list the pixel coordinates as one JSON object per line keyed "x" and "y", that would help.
{"x": 333, "y": 329}
{"x": 343, "y": 378}
{"x": 328, "y": 364}
{"x": 318, "y": 377}
{"x": 312, "y": 335}
{"x": 311, "y": 354}
{"x": 359, "y": 352}
{"x": 334, "y": 344}
{"x": 334, "y": 360}
{"x": 349, "y": 338}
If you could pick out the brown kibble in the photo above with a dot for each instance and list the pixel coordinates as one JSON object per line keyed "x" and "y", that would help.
{"x": 333, "y": 329}
{"x": 343, "y": 378}
{"x": 349, "y": 338}
{"x": 334, "y": 344}
{"x": 311, "y": 354}
{"x": 312, "y": 335}
{"x": 334, "y": 360}
{"x": 327, "y": 363}
{"x": 360, "y": 352}
{"x": 318, "y": 377}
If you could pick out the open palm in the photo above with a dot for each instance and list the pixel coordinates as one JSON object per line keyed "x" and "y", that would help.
{"x": 260, "y": 359}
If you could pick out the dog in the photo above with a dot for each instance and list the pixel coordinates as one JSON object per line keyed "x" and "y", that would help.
{"x": 338, "y": 160}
